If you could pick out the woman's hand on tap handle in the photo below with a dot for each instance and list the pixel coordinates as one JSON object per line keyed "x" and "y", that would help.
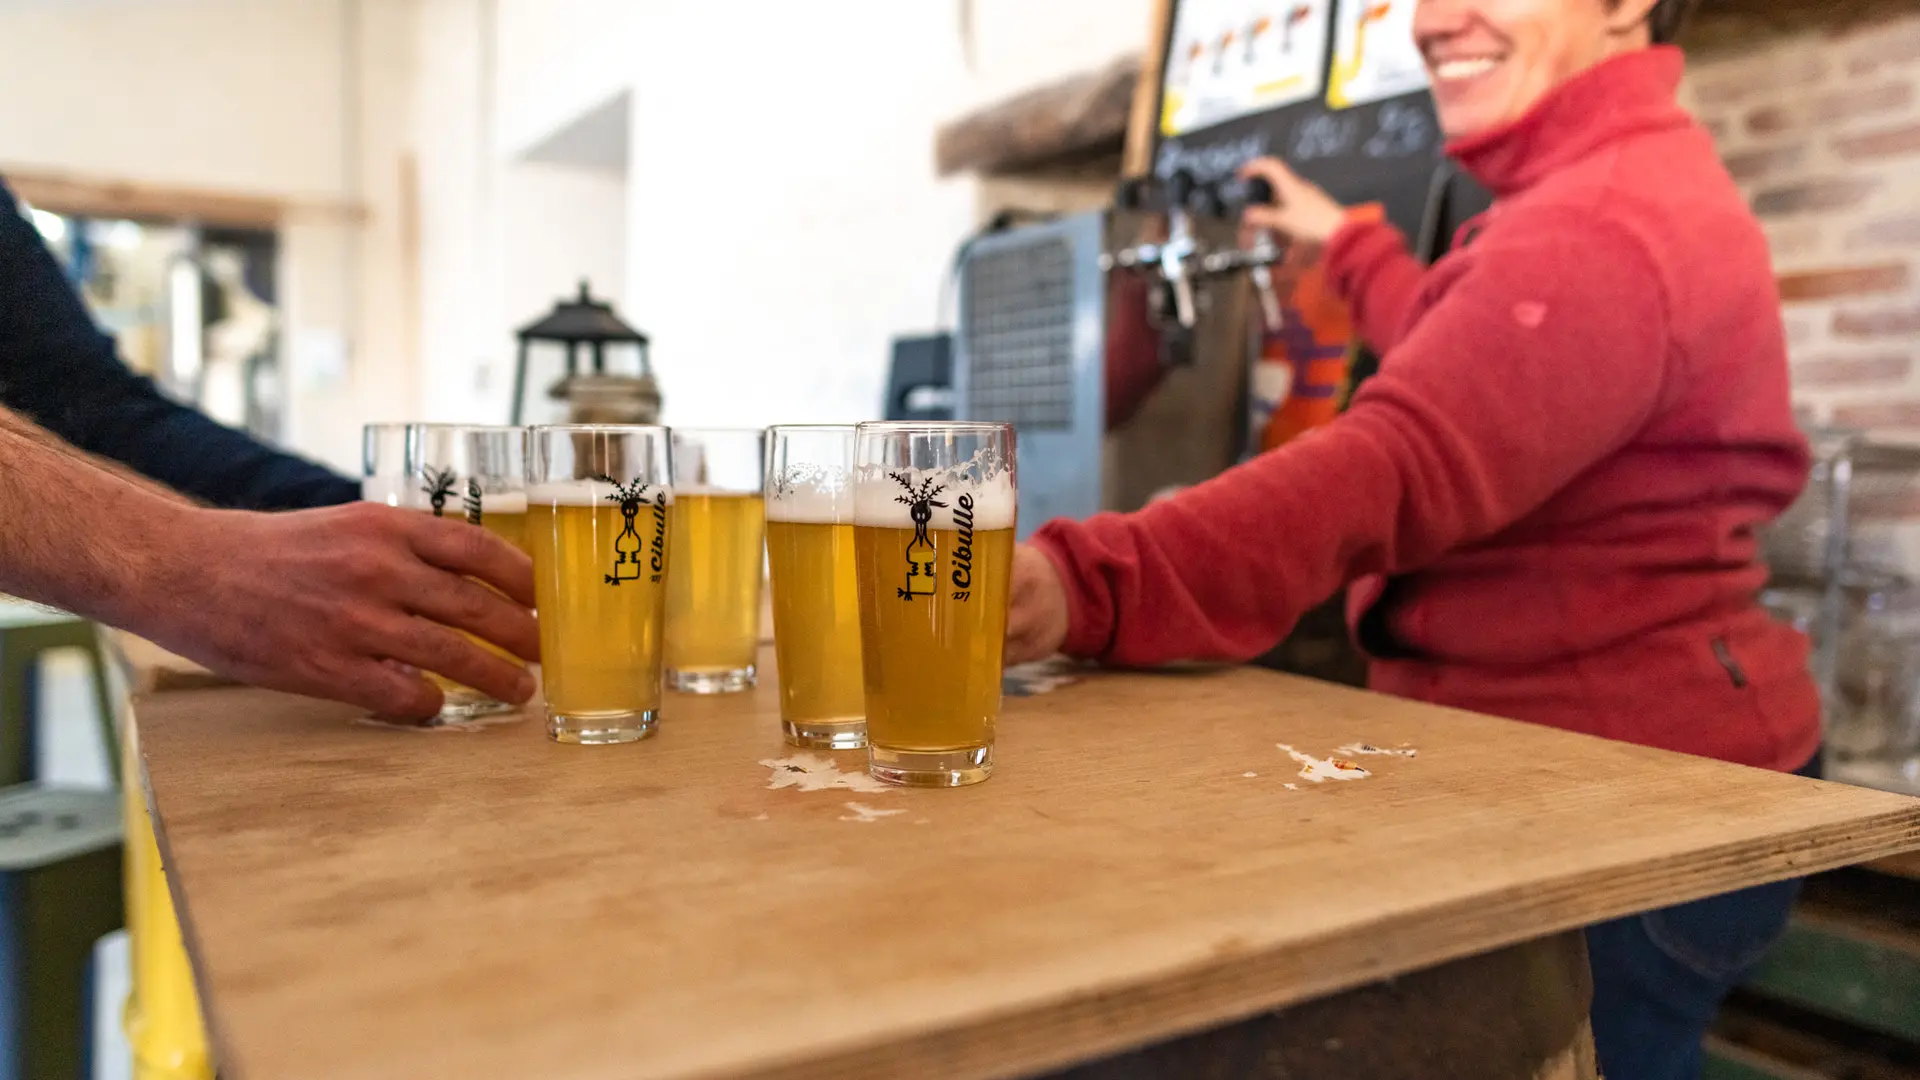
{"x": 1301, "y": 213}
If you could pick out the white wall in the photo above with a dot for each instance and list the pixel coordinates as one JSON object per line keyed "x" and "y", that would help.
{"x": 238, "y": 94}
{"x": 779, "y": 221}
{"x": 561, "y": 225}
{"x": 558, "y": 58}
{"x": 782, "y": 220}
{"x": 259, "y": 97}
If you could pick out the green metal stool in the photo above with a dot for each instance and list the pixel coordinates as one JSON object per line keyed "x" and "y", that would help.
{"x": 27, "y": 634}
{"x": 60, "y": 849}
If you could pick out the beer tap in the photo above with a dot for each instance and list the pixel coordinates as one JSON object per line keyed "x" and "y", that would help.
{"x": 1179, "y": 261}
{"x": 1169, "y": 258}
{"x": 1227, "y": 200}
{"x": 1179, "y": 247}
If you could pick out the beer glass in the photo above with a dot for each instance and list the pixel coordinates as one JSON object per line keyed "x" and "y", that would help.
{"x": 934, "y": 508}
{"x": 383, "y": 459}
{"x": 713, "y": 591}
{"x": 816, "y": 603}
{"x": 393, "y": 466}
{"x": 476, "y": 474}
{"x": 493, "y": 481}
{"x": 600, "y": 497}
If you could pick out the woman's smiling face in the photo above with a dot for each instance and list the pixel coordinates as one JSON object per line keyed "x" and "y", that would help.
{"x": 1492, "y": 60}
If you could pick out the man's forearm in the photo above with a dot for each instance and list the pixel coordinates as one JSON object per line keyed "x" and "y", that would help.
{"x": 14, "y": 422}
{"x": 71, "y": 534}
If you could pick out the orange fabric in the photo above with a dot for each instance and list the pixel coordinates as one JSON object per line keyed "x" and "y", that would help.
{"x": 1316, "y": 343}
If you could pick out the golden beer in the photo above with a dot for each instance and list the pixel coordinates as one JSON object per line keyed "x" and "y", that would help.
{"x": 505, "y": 516}
{"x": 509, "y": 524}
{"x": 816, "y": 631}
{"x": 601, "y": 583}
{"x": 932, "y": 658}
{"x": 934, "y": 508}
{"x": 713, "y": 593}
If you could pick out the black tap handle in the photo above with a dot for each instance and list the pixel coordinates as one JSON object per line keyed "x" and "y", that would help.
{"x": 1180, "y": 188}
{"x": 1236, "y": 194}
{"x": 1136, "y": 194}
{"x": 1206, "y": 201}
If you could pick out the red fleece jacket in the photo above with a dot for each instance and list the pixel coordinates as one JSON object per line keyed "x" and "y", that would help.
{"x": 1547, "y": 498}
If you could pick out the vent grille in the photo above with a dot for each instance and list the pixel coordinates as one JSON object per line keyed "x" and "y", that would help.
{"x": 1018, "y": 327}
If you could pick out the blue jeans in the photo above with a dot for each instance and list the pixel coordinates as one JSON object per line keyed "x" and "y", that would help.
{"x": 1659, "y": 977}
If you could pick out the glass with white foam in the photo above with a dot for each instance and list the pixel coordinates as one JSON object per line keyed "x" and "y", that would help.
{"x": 600, "y": 498}
{"x": 475, "y": 474}
{"x": 713, "y": 592}
{"x": 934, "y": 509}
{"x": 816, "y": 601}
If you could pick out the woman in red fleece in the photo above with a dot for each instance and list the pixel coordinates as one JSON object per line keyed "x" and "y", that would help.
{"x": 1545, "y": 503}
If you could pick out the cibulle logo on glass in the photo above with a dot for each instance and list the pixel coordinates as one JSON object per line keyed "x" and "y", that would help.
{"x": 631, "y": 496}
{"x": 439, "y": 487}
{"x": 922, "y": 554}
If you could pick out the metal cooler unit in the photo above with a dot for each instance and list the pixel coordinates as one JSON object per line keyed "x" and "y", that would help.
{"x": 1030, "y": 351}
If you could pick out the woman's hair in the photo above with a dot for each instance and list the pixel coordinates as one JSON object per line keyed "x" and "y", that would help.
{"x": 1667, "y": 17}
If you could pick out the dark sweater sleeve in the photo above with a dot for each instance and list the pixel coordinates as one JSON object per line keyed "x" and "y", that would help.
{"x": 1546, "y": 354}
{"x": 59, "y": 370}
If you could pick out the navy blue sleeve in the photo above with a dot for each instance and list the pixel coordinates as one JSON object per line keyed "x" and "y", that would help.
{"x": 60, "y": 371}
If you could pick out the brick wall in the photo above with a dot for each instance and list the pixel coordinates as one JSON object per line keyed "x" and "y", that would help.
{"x": 1822, "y": 131}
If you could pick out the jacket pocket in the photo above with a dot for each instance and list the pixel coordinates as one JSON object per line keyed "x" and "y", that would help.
{"x": 1723, "y": 654}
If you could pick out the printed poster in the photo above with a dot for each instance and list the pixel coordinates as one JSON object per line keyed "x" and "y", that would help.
{"x": 1232, "y": 58}
{"x": 1374, "y": 55}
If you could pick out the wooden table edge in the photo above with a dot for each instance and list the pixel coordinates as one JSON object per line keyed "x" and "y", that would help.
{"x": 1030, "y": 1038}
{"x": 1035, "y": 1037}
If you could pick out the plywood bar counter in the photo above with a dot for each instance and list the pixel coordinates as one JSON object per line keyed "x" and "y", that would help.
{"x": 1147, "y": 869}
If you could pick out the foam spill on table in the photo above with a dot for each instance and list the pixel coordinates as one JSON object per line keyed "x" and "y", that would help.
{"x": 1359, "y": 748}
{"x": 864, "y": 813}
{"x": 811, "y": 772}
{"x": 1319, "y": 770}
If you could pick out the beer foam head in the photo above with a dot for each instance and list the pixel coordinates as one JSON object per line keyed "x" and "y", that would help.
{"x": 591, "y": 493}
{"x": 504, "y": 502}
{"x": 811, "y": 494}
{"x": 713, "y": 489}
{"x": 887, "y": 497}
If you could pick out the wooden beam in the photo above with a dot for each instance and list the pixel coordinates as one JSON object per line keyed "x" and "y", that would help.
{"x": 1137, "y": 158}
{"x": 88, "y": 196}
{"x": 1061, "y": 123}
{"x": 1720, "y": 24}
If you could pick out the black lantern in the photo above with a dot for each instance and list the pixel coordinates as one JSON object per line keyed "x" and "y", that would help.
{"x": 599, "y": 396}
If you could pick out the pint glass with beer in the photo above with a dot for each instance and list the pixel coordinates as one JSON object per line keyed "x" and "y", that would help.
{"x": 474, "y": 474}
{"x": 816, "y": 603}
{"x": 934, "y": 508}
{"x": 599, "y": 501}
{"x": 713, "y": 593}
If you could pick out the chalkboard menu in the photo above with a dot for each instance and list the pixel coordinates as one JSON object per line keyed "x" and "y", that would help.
{"x": 1335, "y": 88}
